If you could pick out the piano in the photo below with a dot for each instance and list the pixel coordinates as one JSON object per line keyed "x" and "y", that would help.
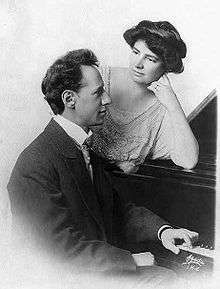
{"x": 186, "y": 198}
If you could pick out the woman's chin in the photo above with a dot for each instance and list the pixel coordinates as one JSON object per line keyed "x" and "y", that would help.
{"x": 137, "y": 78}
{"x": 141, "y": 81}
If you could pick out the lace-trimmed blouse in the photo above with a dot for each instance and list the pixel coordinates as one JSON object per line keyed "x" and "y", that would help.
{"x": 127, "y": 138}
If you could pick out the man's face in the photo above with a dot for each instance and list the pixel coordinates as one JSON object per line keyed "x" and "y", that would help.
{"x": 92, "y": 98}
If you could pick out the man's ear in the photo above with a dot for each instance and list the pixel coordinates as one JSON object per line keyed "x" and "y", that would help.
{"x": 69, "y": 98}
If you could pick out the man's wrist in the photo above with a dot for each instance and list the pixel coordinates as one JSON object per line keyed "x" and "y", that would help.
{"x": 162, "y": 229}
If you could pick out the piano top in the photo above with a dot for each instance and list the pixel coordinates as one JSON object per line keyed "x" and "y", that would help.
{"x": 203, "y": 122}
{"x": 202, "y": 175}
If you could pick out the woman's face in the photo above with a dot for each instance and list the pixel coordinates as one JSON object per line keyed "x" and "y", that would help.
{"x": 145, "y": 66}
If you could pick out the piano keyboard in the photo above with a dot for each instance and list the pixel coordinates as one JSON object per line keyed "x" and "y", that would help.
{"x": 189, "y": 261}
{"x": 203, "y": 251}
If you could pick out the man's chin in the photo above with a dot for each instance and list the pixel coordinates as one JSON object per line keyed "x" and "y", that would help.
{"x": 97, "y": 124}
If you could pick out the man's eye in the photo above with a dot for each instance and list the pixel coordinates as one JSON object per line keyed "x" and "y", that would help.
{"x": 100, "y": 92}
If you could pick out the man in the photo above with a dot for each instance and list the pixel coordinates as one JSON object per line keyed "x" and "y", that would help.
{"x": 65, "y": 202}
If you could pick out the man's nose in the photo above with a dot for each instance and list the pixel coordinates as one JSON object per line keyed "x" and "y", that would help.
{"x": 106, "y": 98}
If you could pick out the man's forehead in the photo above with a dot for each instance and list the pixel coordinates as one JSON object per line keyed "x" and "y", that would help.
{"x": 91, "y": 76}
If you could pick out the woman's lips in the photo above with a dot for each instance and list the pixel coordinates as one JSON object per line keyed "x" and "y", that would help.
{"x": 137, "y": 73}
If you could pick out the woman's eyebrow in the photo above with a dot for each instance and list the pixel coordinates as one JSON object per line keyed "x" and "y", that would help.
{"x": 152, "y": 56}
{"x": 135, "y": 49}
{"x": 146, "y": 54}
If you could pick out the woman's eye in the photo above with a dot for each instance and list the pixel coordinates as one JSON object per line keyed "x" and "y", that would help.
{"x": 151, "y": 60}
{"x": 134, "y": 51}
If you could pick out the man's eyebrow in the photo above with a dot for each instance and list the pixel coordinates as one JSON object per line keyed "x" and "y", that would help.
{"x": 83, "y": 84}
{"x": 97, "y": 89}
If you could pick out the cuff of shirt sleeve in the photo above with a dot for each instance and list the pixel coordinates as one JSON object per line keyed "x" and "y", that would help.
{"x": 163, "y": 228}
{"x": 144, "y": 259}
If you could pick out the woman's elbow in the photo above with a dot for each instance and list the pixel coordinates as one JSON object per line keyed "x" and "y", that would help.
{"x": 187, "y": 159}
{"x": 194, "y": 157}
{"x": 188, "y": 162}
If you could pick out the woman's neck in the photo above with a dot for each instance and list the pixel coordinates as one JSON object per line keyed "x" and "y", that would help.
{"x": 130, "y": 95}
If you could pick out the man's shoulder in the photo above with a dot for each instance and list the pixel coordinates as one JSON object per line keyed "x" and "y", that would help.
{"x": 32, "y": 155}
{"x": 37, "y": 149}
{"x": 49, "y": 146}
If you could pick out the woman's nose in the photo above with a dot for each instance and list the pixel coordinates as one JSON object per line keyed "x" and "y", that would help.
{"x": 139, "y": 63}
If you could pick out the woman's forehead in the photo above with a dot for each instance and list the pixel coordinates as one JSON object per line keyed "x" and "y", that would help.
{"x": 142, "y": 46}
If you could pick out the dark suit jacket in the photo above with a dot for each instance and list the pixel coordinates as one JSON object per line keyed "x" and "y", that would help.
{"x": 54, "y": 199}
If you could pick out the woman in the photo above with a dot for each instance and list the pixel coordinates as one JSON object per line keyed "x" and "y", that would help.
{"x": 146, "y": 118}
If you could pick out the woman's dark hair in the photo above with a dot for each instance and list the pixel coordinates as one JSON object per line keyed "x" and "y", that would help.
{"x": 163, "y": 39}
{"x": 65, "y": 73}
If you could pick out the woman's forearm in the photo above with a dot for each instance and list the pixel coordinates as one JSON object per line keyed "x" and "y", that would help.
{"x": 185, "y": 147}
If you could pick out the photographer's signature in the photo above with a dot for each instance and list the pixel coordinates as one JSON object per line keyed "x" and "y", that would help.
{"x": 193, "y": 263}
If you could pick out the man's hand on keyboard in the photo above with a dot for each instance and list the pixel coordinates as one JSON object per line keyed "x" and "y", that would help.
{"x": 170, "y": 235}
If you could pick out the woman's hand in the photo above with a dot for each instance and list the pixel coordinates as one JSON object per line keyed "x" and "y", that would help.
{"x": 164, "y": 91}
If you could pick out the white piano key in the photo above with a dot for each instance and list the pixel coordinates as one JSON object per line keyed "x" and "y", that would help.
{"x": 198, "y": 250}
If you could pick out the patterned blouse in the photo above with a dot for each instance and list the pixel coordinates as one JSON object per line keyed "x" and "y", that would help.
{"x": 127, "y": 138}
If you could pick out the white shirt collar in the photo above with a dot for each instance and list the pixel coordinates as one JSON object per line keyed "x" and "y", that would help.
{"x": 72, "y": 129}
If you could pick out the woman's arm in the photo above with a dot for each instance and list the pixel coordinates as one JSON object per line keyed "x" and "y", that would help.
{"x": 185, "y": 148}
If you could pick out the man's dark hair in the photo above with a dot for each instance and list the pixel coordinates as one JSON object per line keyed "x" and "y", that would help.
{"x": 65, "y": 73}
{"x": 163, "y": 39}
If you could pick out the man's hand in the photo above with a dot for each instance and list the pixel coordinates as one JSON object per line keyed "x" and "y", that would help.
{"x": 169, "y": 236}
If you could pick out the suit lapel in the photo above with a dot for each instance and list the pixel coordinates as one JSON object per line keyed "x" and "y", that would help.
{"x": 86, "y": 189}
{"x": 76, "y": 164}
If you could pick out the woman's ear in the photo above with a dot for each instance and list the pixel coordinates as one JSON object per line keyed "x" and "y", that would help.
{"x": 69, "y": 98}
